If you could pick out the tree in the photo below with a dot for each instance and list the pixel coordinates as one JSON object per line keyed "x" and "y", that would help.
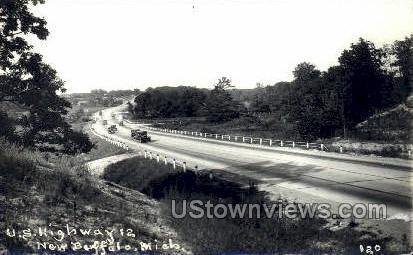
{"x": 403, "y": 53}
{"x": 28, "y": 83}
{"x": 167, "y": 102}
{"x": 306, "y": 104}
{"x": 366, "y": 89}
{"x": 220, "y": 105}
{"x": 259, "y": 102}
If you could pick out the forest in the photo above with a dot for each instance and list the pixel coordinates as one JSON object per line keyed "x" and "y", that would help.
{"x": 316, "y": 104}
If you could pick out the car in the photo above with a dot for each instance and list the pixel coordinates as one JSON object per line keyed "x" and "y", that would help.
{"x": 140, "y": 136}
{"x": 112, "y": 129}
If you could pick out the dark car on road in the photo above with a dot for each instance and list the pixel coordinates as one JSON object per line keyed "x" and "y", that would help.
{"x": 140, "y": 136}
{"x": 112, "y": 129}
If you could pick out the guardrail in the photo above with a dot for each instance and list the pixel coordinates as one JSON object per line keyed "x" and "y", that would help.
{"x": 110, "y": 140}
{"x": 250, "y": 140}
{"x": 160, "y": 158}
{"x": 259, "y": 141}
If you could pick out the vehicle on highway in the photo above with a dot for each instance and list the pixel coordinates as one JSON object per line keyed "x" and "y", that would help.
{"x": 104, "y": 122}
{"x": 140, "y": 136}
{"x": 121, "y": 123}
{"x": 112, "y": 129}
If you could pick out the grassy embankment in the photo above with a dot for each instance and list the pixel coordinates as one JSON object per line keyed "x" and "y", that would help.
{"x": 38, "y": 189}
{"x": 238, "y": 235}
{"x": 386, "y": 134}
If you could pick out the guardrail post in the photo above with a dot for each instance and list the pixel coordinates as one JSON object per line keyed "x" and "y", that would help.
{"x": 222, "y": 137}
{"x": 166, "y": 161}
{"x": 236, "y": 138}
{"x": 410, "y": 153}
{"x": 270, "y": 142}
{"x": 281, "y": 143}
{"x": 307, "y": 145}
{"x": 205, "y": 135}
{"x": 341, "y": 149}
{"x": 150, "y": 155}
{"x": 145, "y": 154}
{"x": 216, "y": 136}
{"x": 229, "y": 138}
{"x": 260, "y": 141}
{"x": 293, "y": 144}
{"x": 174, "y": 163}
{"x": 243, "y": 139}
{"x": 184, "y": 166}
{"x": 157, "y": 158}
{"x": 322, "y": 147}
{"x": 252, "y": 140}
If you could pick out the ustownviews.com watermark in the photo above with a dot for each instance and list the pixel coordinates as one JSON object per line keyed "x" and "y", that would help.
{"x": 199, "y": 209}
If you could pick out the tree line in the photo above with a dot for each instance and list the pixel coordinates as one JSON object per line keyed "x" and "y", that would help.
{"x": 184, "y": 101}
{"x": 315, "y": 104}
{"x": 366, "y": 81}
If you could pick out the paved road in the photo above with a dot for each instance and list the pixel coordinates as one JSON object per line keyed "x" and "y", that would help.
{"x": 304, "y": 178}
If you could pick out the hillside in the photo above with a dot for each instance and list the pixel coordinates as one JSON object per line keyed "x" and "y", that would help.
{"x": 391, "y": 125}
{"x": 46, "y": 199}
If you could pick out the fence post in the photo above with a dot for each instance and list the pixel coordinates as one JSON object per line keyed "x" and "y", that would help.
{"x": 166, "y": 161}
{"x": 243, "y": 139}
{"x": 236, "y": 138}
{"x": 205, "y": 134}
{"x": 260, "y": 141}
{"x": 308, "y": 145}
{"x": 229, "y": 138}
{"x": 252, "y": 140}
{"x": 145, "y": 154}
{"x": 184, "y": 166}
{"x": 293, "y": 144}
{"x": 270, "y": 142}
{"x": 281, "y": 143}
{"x": 222, "y": 137}
{"x": 341, "y": 149}
{"x": 174, "y": 163}
{"x": 157, "y": 158}
{"x": 322, "y": 147}
{"x": 410, "y": 153}
{"x": 216, "y": 136}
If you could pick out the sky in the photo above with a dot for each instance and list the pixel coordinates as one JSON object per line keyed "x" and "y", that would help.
{"x": 128, "y": 44}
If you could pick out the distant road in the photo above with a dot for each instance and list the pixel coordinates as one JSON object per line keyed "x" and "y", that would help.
{"x": 304, "y": 177}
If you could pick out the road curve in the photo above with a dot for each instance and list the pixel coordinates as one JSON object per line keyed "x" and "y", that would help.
{"x": 300, "y": 177}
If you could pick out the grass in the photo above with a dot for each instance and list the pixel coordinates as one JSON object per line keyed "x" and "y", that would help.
{"x": 37, "y": 190}
{"x": 267, "y": 128}
{"x": 212, "y": 236}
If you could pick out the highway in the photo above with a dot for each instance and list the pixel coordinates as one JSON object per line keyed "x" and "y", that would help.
{"x": 302, "y": 177}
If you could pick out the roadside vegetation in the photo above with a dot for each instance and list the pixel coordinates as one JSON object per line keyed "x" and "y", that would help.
{"x": 38, "y": 189}
{"x": 363, "y": 98}
{"x": 227, "y": 235}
